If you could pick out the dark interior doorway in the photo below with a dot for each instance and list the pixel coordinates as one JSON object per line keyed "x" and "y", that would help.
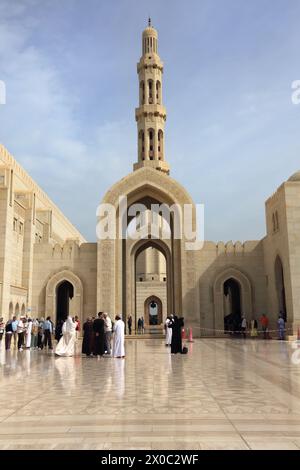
{"x": 65, "y": 292}
{"x": 232, "y": 295}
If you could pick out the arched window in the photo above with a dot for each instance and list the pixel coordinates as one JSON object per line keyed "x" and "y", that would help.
{"x": 158, "y": 92}
{"x": 151, "y": 143}
{"x": 11, "y": 310}
{"x": 17, "y": 310}
{"x": 280, "y": 287}
{"x": 276, "y": 221}
{"x": 23, "y": 310}
{"x": 160, "y": 148}
{"x": 141, "y": 145}
{"x": 150, "y": 93}
{"x": 142, "y": 92}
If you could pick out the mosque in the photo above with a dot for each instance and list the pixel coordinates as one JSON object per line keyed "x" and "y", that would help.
{"x": 48, "y": 268}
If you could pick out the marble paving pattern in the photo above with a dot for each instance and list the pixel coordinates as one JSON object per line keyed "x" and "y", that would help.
{"x": 225, "y": 394}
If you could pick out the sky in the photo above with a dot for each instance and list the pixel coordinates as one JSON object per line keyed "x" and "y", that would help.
{"x": 232, "y": 131}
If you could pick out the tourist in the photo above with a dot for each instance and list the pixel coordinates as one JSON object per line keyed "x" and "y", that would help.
{"x": 129, "y": 324}
{"x": 66, "y": 344}
{"x": 98, "y": 327}
{"x": 47, "y": 333}
{"x": 28, "y": 333}
{"x": 34, "y": 333}
{"x": 139, "y": 325}
{"x": 264, "y": 321}
{"x": 8, "y": 334}
{"x": 281, "y": 327}
{"x": 88, "y": 337}
{"x": 176, "y": 324}
{"x": 2, "y": 328}
{"x": 244, "y": 326}
{"x": 143, "y": 325}
{"x": 253, "y": 328}
{"x": 21, "y": 333}
{"x": 119, "y": 338}
{"x": 168, "y": 331}
{"x": 77, "y": 323}
{"x": 107, "y": 333}
{"x": 41, "y": 334}
{"x": 14, "y": 328}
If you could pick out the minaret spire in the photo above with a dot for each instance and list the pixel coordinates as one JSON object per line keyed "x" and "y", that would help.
{"x": 151, "y": 114}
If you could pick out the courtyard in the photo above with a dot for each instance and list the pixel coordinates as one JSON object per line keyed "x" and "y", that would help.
{"x": 224, "y": 394}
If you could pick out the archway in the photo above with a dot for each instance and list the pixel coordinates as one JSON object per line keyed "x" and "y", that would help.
{"x": 116, "y": 283}
{"x": 280, "y": 287}
{"x": 232, "y": 305}
{"x": 237, "y": 285}
{"x": 23, "y": 310}
{"x": 64, "y": 295}
{"x": 17, "y": 310}
{"x": 11, "y": 310}
{"x": 153, "y": 311}
{"x": 61, "y": 284}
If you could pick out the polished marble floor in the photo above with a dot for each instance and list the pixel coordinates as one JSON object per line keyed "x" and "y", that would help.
{"x": 225, "y": 394}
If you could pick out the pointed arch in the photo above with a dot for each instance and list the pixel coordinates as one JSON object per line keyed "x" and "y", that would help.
{"x": 218, "y": 294}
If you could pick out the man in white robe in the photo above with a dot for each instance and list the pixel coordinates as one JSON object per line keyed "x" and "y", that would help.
{"x": 168, "y": 331}
{"x": 119, "y": 338}
{"x": 66, "y": 344}
{"x": 28, "y": 333}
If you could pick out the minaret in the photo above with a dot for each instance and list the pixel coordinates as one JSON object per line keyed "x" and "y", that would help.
{"x": 151, "y": 114}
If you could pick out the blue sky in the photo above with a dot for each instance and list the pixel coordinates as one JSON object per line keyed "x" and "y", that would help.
{"x": 232, "y": 132}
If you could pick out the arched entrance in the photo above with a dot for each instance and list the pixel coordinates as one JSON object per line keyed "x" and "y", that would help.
{"x": 232, "y": 305}
{"x": 64, "y": 291}
{"x": 232, "y": 293}
{"x": 64, "y": 296}
{"x": 280, "y": 287}
{"x": 116, "y": 290}
{"x": 17, "y": 310}
{"x": 153, "y": 311}
{"x": 11, "y": 310}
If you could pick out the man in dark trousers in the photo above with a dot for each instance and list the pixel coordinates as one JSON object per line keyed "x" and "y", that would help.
{"x": 98, "y": 327}
{"x": 129, "y": 323}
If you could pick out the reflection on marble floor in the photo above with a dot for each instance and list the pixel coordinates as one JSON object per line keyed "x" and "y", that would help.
{"x": 225, "y": 394}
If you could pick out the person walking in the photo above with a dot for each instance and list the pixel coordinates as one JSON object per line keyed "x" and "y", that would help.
{"x": 34, "y": 334}
{"x": 129, "y": 324}
{"x": 244, "y": 326}
{"x": 281, "y": 327}
{"x": 21, "y": 333}
{"x": 48, "y": 333}
{"x": 119, "y": 338}
{"x": 98, "y": 327}
{"x": 2, "y": 329}
{"x": 77, "y": 322}
{"x": 107, "y": 333}
{"x": 41, "y": 334}
{"x": 88, "y": 337}
{"x": 8, "y": 334}
{"x": 176, "y": 324}
{"x": 15, "y": 328}
{"x": 264, "y": 321}
{"x": 168, "y": 331}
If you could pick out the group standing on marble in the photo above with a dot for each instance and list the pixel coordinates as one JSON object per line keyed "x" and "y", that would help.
{"x": 27, "y": 333}
{"x": 99, "y": 333}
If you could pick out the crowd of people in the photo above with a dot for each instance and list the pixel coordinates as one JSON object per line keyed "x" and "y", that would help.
{"x": 100, "y": 332}
{"x": 27, "y": 333}
{"x": 236, "y": 324}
